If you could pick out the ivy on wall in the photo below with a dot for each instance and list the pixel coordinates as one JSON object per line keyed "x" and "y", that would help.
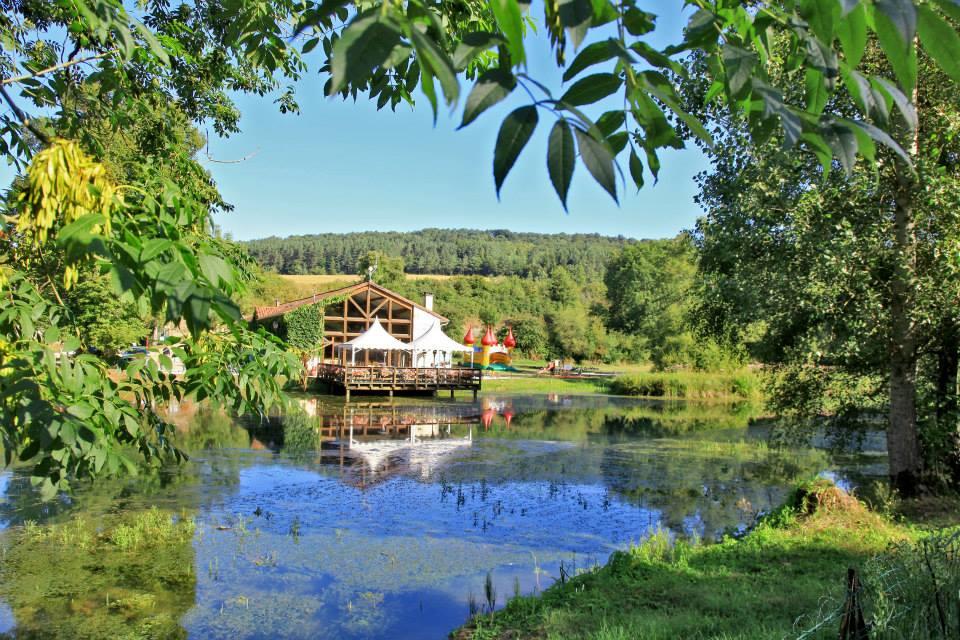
{"x": 303, "y": 331}
{"x": 304, "y": 327}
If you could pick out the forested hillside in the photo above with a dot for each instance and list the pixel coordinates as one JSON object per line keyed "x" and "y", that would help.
{"x": 441, "y": 251}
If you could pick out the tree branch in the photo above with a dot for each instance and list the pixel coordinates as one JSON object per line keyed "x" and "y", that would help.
{"x": 24, "y": 120}
{"x": 56, "y": 67}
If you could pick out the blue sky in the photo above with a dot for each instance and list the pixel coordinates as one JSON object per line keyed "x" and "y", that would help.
{"x": 343, "y": 166}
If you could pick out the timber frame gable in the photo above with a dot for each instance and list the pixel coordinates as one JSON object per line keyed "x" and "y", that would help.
{"x": 351, "y": 311}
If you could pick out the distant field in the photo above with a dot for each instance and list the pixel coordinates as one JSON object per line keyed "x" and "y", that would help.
{"x": 307, "y": 284}
{"x": 320, "y": 280}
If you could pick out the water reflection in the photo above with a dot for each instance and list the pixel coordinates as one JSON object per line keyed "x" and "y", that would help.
{"x": 380, "y": 519}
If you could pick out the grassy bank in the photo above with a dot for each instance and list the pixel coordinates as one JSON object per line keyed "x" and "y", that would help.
{"x": 689, "y": 385}
{"x": 543, "y": 384}
{"x": 681, "y": 385}
{"x": 770, "y": 584}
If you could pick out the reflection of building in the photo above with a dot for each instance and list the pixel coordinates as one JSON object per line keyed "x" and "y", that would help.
{"x": 349, "y": 312}
{"x": 423, "y": 451}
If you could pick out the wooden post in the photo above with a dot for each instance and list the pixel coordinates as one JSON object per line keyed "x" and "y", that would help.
{"x": 474, "y": 395}
{"x": 348, "y": 394}
{"x": 852, "y": 625}
{"x": 451, "y": 393}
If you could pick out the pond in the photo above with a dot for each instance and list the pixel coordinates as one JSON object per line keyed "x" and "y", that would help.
{"x": 380, "y": 519}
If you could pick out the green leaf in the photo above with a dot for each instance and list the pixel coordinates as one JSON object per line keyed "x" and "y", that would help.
{"x": 821, "y": 56}
{"x": 216, "y": 269}
{"x": 739, "y": 64}
{"x": 430, "y": 91}
{"x": 653, "y": 161}
{"x": 660, "y": 87}
{"x": 941, "y": 41}
{"x": 852, "y": 33}
{"x": 310, "y": 45}
{"x": 820, "y": 14}
{"x": 902, "y": 16}
{"x": 510, "y": 21}
{"x": 599, "y": 162}
{"x": 82, "y": 411}
{"x": 365, "y": 44}
{"x": 473, "y": 44}
{"x": 817, "y": 93}
{"x": 657, "y": 58}
{"x": 575, "y": 16}
{"x": 561, "y": 158}
{"x": 492, "y": 87}
{"x": 903, "y": 103}
{"x": 843, "y": 144}
{"x": 883, "y": 138}
{"x": 604, "y": 12}
{"x": 636, "y": 169}
{"x": 440, "y": 65}
{"x": 859, "y": 89}
{"x": 901, "y": 55}
{"x": 592, "y": 88}
{"x": 618, "y": 141}
{"x": 638, "y": 22}
{"x": 592, "y": 54}
{"x": 610, "y": 122}
{"x": 514, "y": 134}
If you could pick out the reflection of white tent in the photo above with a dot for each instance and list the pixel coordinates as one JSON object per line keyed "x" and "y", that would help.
{"x": 436, "y": 343}
{"x": 375, "y": 338}
{"x": 414, "y": 450}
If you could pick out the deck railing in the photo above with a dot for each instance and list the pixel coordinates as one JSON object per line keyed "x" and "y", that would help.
{"x": 384, "y": 377}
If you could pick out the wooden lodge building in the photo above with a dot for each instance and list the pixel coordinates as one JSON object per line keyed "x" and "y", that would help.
{"x": 365, "y": 309}
{"x": 352, "y": 310}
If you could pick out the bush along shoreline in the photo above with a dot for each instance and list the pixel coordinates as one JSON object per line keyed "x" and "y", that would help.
{"x": 785, "y": 578}
{"x": 689, "y": 385}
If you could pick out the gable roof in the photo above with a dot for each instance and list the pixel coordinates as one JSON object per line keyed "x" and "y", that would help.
{"x": 262, "y": 313}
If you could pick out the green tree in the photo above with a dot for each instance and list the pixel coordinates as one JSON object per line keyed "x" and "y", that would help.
{"x": 385, "y": 270}
{"x": 303, "y": 331}
{"x": 530, "y": 332}
{"x": 563, "y": 288}
{"x": 574, "y": 333}
{"x": 848, "y": 280}
{"x": 652, "y": 290}
{"x": 104, "y": 321}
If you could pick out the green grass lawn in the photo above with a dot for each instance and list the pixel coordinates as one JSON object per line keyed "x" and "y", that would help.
{"x": 757, "y": 587}
{"x": 543, "y": 384}
{"x": 681, "y": 385}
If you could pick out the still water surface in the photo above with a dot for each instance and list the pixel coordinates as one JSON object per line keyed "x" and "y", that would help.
{"x": 333, "y": 523}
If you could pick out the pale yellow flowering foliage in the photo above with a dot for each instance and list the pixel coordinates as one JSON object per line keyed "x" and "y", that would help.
{"x": 63, "y": 185}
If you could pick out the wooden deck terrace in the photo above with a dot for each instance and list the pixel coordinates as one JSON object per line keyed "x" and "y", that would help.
{"x": 390, "y": 380}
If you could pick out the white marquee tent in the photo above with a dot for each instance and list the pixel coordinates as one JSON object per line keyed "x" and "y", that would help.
{"x": 375, "y": 338}
{"x": 435, "y": 348}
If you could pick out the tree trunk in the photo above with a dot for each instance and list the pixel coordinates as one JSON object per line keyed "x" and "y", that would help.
{"x": 903, "y": 442}
{"x": 903, "y": 445}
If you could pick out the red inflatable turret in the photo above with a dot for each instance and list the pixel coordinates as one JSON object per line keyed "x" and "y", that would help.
{"x": 489, "y": 339}
{"x": 510, "y": 342}
{"x": 468, "y": 336}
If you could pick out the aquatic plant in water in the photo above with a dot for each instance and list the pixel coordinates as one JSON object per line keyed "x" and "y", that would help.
{"x": 130, "y": 576}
